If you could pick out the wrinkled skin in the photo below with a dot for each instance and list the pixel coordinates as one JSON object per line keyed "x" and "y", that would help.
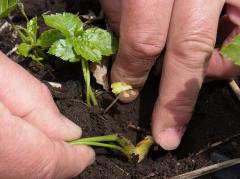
{"x": 188, "y": 30}
{"x": 33, "y": 131}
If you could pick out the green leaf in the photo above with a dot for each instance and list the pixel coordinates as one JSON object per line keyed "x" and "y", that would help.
{"x": 64, "y": 50}
{"x": 24, "y": 49}
{"x": 31, "y": 30}
{"x": 231, "y": 51}
{"x": 102, "y": 39}
{"x": 7, "y": 6}
{"x": 67, "y": 23}
{"x": 87, "y": 50}
{"x": 119, "y": 87}
{"x": 48, "y": 37}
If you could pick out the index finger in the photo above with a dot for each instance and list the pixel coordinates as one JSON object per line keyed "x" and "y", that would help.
{"x": 143, "y": 31}
{"x": 190, "y": 43}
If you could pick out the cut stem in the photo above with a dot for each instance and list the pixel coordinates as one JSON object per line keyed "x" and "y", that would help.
{"x": 120, "y": 143}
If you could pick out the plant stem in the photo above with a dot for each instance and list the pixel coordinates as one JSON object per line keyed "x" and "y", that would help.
{"x": 22, "y": 10}
{"x": 90, "y": 96}
{"x": 90, "y": 92}
{"x": 99, "y": 144}
{"x": 112, "y": 103}
{"x": 107, "y": 138}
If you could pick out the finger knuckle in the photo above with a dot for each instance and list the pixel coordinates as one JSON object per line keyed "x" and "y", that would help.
{"x": 194, "y": 50}
{"x": 146, "y": 48}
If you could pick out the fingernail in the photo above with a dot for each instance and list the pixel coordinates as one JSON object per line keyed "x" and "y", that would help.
{"x": 129, "y": 96}
{"x": 170, "y": 138}
{"x": 73, "y": 131}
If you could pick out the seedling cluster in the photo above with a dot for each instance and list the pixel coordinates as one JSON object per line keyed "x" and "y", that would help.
{"x": 68, "y": 39}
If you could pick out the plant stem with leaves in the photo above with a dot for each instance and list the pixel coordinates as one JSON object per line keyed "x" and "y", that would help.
{"x": 120, "y": 143}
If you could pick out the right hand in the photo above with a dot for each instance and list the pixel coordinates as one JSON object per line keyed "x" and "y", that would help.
{"x": 33, "y": 131}
{"x": 187, "y": 30}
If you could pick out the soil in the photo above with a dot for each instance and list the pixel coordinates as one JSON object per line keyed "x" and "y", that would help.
{"x": 216, "y": 116}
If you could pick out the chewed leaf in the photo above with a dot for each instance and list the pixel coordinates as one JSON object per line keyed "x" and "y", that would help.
{"x": 24, "y": 49}
{"x": 87, "y": 50}
{"x": 232, "y": 50}
{"x": 6, "y": 6}
{"x": 67, "y": 23}
{"x": 102, "y": 39}
{"x": 64, "y": 50}
{"x": 48, "y": 37}
{"x": 119, "y": 87}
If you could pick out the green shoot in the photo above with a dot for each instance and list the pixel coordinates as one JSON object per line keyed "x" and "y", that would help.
{"x": 28, "y": 35}
{"x": 118, "y": 88}
{"x": 7, "y": 6}
{"x": 120, "y": 143}
{"x": 80, "y": 45}
{"x": 231, "y": 51}
{"x": 29, "y": 46}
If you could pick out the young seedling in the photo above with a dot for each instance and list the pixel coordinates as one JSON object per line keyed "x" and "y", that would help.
{"x": 30, "y": 47}
{"x": 28, "y": 35}
{"x": 67, "y": 39}
{"x": 120, "y": 143}
{"x": 78, "y": 45}
{"x": 118, "y": 88}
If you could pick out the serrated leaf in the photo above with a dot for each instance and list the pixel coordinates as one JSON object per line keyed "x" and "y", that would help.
{"x": 67, "y": 23}
{"x": 87, "y": 50}
{"x": 102, "y": 39}
{"x": 48, "y": 37}
{"x": 7, "y": 6}
{"x": 231, "y": 51}
{"x": 64, "y": 50}
{"x": 24, "y": 49}
{"x": 119, "y": 87}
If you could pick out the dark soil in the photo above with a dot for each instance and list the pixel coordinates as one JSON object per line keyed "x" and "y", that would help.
{"x": 216, "y": 115}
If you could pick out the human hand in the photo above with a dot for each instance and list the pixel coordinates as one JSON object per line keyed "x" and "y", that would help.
{"x": 188, "y": 30}
{"x": 33, "y": 131}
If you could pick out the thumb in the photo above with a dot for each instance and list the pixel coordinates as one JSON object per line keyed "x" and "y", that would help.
{"x": 31, "y": 154}
{"x": 28, "y": 98}
{"x": 70, "y": 161}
